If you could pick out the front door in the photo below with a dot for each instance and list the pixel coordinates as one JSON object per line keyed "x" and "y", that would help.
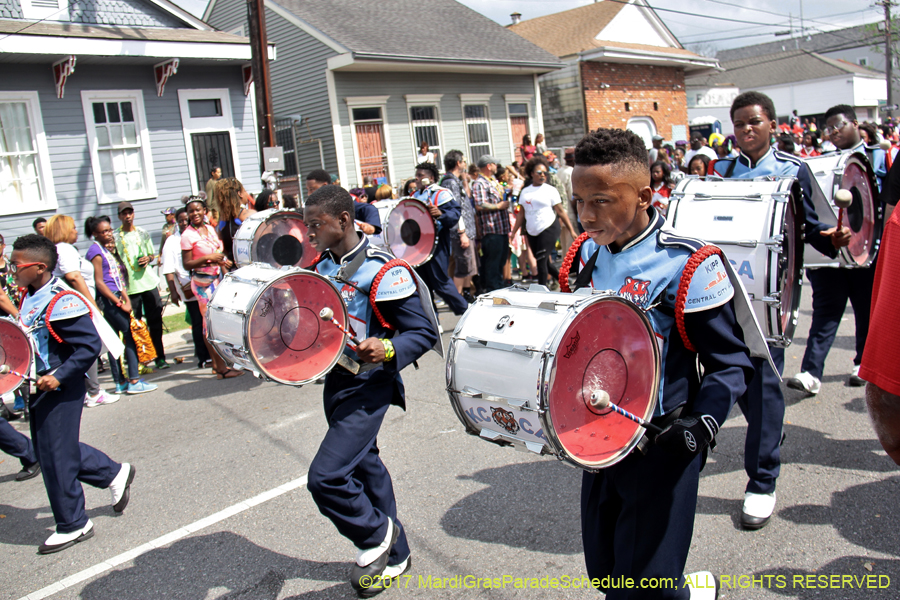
{"x": 212, "y": 150}
{"x": 371, "y": 151}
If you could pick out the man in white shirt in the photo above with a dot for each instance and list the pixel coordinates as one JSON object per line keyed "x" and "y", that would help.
{"x": 179, "y": 281}
{"x": 698, "y": 146}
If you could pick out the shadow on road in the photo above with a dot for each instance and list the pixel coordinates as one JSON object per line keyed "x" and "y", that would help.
{"x": 190, "y": 568}
{"x": 506, "y": 511}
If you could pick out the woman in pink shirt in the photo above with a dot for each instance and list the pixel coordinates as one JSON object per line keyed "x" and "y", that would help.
{"x": 202, "y": 254}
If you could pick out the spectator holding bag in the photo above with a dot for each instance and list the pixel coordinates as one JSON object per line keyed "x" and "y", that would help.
{"x": 110, "y": 278}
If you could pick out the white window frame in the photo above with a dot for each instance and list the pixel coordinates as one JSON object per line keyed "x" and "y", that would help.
{"x": 88, "y": 97}
{"x": 433, "y": 100}
{"x": 477, "y": 100}
{"x": 527, "y": 100}
{"x": 31, "y": 12}
{"x": 36, "y": 122}
{"x": 369, "y": 102}
{"x": 241, "y": 31}
{"x": 191, "y": 125}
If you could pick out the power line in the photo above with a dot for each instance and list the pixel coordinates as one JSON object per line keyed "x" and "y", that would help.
{"x": 854, "y": 12}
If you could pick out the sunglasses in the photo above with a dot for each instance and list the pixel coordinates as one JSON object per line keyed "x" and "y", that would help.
{"x": 14, "y": 268}
{"x": 536, "y": 173}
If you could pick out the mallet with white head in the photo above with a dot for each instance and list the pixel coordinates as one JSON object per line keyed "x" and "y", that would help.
{"x": 326, "y": 314}
{"x": 600, "y": 400}
{"x": 842, "y": 199}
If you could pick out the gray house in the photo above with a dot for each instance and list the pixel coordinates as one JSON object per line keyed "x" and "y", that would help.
{"x": 105, "y": 101}
{"x": 369, "y": 81}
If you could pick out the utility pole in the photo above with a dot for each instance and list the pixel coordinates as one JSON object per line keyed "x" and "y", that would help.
{"x": 256, "y": 17}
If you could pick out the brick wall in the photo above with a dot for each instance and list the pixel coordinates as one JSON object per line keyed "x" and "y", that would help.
{"x": 640, "y": 86}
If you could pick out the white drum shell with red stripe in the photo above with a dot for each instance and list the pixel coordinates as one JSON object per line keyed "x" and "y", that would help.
{"x": 753, "y": 222}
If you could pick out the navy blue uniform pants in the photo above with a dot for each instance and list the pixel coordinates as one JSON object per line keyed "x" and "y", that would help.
{"x": 15, "y": 444}
{"x": 347, "y": 479}
{"x": 436, "y": 276}
{"x": 637, "y": 520}
{"x": 831, "y": 290}
{"x": 763, "y": 407}
{"x": 66, "y": 463}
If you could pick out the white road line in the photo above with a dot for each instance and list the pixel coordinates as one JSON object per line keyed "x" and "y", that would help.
{"x": 288, "y": 421}
{"x": 165, "y": 539}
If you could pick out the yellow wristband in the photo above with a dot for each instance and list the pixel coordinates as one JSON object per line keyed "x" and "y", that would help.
{"x": 388, "y": 350}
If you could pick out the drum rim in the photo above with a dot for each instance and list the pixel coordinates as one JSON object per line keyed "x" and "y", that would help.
{"x": 387, "y": 238}
{"x": 245, "y": 324}
{"x": 878, "y": 219}
{"x": 259, "y": 219}
{"x": 786, "y": 335}
{"x": 29, "y": 343}
{"x": 548, "y": 375}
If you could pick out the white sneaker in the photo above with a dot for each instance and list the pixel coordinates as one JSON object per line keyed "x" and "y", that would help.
{"x": 757, "y": 510}
{"x": 805, "y": 382}
{"x": 703, "y": 585}
{"x": 101, "y": 398}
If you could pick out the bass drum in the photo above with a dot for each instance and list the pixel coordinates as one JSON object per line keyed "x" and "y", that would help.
{"x": 846, "y": 171}
{"x": 410, "y": 232}
{"x": 16, "y": 352}
{"x": 275, "y": 237}
{"x": 523, "y": 364}
{"x": 384, "y": 210}
{"x": 266, "y": 321}
{"x": 757, "y": 223}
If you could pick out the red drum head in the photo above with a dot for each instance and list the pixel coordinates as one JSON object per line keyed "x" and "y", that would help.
{"x": 288, "y": 340}
{"x": 861, "y": 216}
{"x": 282, "y": 242}
{"x": 16, "y": 353}
{"x": 609, "y": 346}
{"x": 410, "y": 232}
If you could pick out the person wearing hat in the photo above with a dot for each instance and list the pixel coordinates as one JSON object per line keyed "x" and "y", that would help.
{"x": 698, "y": 146}
{"x": 491, "y": 209}
{"x": 657, "y": 146}
{"x": 137, "y": 252}
{"x": 169, "y": 228}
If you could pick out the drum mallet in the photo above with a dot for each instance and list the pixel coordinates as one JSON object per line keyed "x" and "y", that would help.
{"x": 600, "y": 399}
{"x": 5, "y": 370}
{"x": 842, "y": 199}
{"x": 326, "y": 314}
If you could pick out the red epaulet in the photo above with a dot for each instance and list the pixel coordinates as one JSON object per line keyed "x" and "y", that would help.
{"x": 53, "y": 302}
{"x": 684, "y": 285}
{"x": 373, "y": 291}
{"x": 574, "y": 249}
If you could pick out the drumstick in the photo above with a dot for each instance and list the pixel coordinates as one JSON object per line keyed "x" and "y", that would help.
{"x": 326, "y": 314}
{"x": 5, "y": 370}
{"x": 600, "y": 399}
{"x": 842, "y": 199}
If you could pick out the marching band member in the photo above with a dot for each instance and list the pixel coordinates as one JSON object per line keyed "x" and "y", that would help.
{"x": 753, "y": 116}
{"x": 347, "y": 479}
{"x": 638, "y": 515}
{"x": 67, "y": 342}
{"x": 833, "y": 287}
{"x": 445, "y": 211}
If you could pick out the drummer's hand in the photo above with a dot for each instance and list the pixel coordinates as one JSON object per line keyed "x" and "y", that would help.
{"x": 839, "y": 239}
{"x": 370, "y": 350}
{"x": 434, "y": 211}
{"x": 47, "y": 383}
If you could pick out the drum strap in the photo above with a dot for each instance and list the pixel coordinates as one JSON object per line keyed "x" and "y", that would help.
{"x": 730, "y": 170}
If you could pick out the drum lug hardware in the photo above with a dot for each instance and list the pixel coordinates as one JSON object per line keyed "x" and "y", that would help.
{"x": 746, "y": 243}
{"x": 776, "y": 244}
{"x": 551, "y": 306}
{"x": 473, "y": 341}
{"x": 773, "y": 300}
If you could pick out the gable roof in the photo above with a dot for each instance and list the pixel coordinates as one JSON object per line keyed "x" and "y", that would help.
{"x": 414, "y": 30}
{"x": 775, "y": 69}
{"x": 570, "y": 31}
{"x": 829, "y": 41}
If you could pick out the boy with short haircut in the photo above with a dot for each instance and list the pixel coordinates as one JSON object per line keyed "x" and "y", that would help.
{"x": 396, "y": 324}
{"x": 638, "y": 515}
{"x": 753, "y": 116}
{"x": 67, "y": 342}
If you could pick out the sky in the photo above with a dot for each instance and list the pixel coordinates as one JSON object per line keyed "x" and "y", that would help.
{"x": 735, "y": 22}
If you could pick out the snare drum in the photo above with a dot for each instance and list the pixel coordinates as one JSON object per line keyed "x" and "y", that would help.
{"x": 274, "y": 237}
{"x": 848, "y": 171}
{"x": 757, "y": 224}
{"x": 523, "y": 364}
{"x": 266, "y": 320}
{"x": 16, "y": 352}
{"x": 410, "y": 232}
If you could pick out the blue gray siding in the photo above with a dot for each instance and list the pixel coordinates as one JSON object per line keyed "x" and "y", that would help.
{"x": 397, "y": 85}
{"x": 126, "y": 13}
{"x": 298, "y": 79}
{"x": 64, "y": 126}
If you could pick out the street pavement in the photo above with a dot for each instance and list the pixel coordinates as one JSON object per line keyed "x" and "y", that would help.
{"x": 203, "y": 446}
